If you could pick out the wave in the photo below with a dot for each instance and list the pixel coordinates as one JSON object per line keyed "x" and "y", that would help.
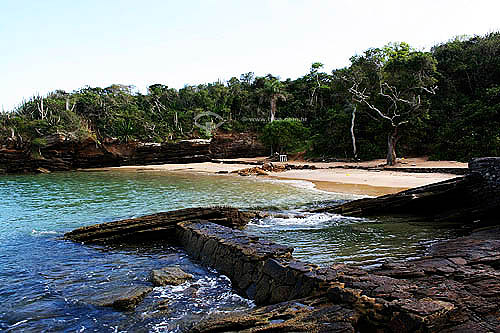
{"x": 40, "y": 232}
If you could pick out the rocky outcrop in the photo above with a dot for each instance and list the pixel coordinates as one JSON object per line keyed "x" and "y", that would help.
{"x": 124, "y": 298}
{"x": 64, "y": 152}
{"x": 234, "y": 145}
{"x": 456, "y": 287}
{"x": 156, "y": 226}
{"x": 474, "y": 197}
{"x": 168, "y": 276}
{"x": 315, "y": 314}
{"x": 263, "y": 169}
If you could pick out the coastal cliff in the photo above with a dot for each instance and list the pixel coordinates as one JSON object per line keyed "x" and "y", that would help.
{"x": 60, "y": 152}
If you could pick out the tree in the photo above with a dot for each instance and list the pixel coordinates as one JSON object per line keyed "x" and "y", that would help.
{"x": 466, "y": 112}
{"x": 285, "y": 135}
{"x": 275, "y": 90}
{"x": 389, "y": 83}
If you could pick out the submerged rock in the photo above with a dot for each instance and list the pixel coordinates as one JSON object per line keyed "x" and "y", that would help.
{"x": 126, "y": 298}
{"x": 169, "y": 276}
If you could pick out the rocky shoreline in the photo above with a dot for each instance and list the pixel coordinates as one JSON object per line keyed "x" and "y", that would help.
{"x": 470, "y": 199}
{"x": 61, "y": 152}
{"x": 455, "y": 288}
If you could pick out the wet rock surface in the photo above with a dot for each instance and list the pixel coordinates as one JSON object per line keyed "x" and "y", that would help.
{"x": 456, "y": 287}
{"x": 169, "y": 276}
{"x": 160, "y": 226}
{"x": 123, "y": 299}
{"x": 304, "y": 315}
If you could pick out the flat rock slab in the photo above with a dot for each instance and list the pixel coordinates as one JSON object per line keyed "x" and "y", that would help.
{"x": 305, "y": 315}
{"x": 123, "y": 299}
{"x": 169, "y": 276}
{"x": 159, "y": 226}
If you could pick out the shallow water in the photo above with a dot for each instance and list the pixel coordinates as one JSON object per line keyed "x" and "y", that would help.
{"x": 325, "y": 239}
{"x": 49, "y": 284}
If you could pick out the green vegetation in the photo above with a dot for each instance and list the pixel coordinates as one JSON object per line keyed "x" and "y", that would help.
{"x": 285, "y": 135}
{"x": 444, "y": 103}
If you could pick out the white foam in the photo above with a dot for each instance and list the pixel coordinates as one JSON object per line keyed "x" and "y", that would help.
{"x": 37, "y": 232}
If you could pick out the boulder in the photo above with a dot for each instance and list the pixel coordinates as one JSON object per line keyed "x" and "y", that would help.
{"x": 123, "y": 299}
{"x": 169, "y": 276}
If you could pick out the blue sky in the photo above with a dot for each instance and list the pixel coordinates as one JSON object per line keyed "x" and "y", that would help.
{"x": 48, "y": 45}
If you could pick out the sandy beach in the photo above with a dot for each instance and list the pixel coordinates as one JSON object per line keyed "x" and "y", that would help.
{"x": 332, "y": 177}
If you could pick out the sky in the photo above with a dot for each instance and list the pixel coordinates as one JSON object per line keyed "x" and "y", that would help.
{"x": 54, "y": 44}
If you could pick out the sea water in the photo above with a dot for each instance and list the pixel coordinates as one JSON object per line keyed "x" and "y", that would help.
{"x": 50, "y": 284}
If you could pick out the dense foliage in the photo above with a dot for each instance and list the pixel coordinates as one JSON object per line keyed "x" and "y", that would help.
{"x": 385, "y": 92}
{"x": 285, "y": 135}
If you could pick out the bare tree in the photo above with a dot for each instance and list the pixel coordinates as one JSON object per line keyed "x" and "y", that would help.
{"x": 42, "y": 110}
{"x": 353, "y": 137}
{"x": 389, "y": 84}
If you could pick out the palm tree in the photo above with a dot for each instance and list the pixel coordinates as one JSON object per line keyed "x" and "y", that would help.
{"x": 275, "y": 90}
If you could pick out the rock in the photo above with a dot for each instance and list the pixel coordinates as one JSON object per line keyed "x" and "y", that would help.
{"x": 474, "y": 197}
{"x": 305, "y": 315}
{"x": 168, "y": 276}
{"x": 252, "y": 171}
{"x": 156, "y": 226}
{"x": 63, "y": 152}
{"x": 455, "y": 286}
{"x": 42, "y": 170}
{"x": 234, "y": 145}
{"x": 123, "y": 299}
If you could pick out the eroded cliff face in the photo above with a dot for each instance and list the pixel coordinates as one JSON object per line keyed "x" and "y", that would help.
{"x": 234, "y": 145}
{"x": 62, "y": 152}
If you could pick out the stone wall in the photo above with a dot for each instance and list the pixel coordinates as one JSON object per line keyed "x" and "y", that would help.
{"x": 260, "y": 270}
{"x": 454, "y": 288}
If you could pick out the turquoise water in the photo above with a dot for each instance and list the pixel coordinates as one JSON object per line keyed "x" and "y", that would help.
{"x": 49, "y": 284}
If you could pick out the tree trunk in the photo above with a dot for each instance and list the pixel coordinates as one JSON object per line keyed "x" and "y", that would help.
{"x": 355, "y": 151}
{"x": 273, "y": 107}
{"x": 391, "y": 147}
